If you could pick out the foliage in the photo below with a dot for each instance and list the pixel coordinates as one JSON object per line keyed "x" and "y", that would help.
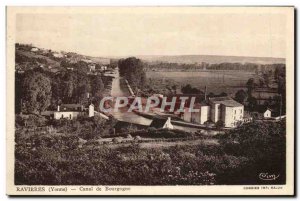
{"x": 133, "y": 70}
{"x": 261, "y": 142}
{"x": 37, "y": 92}
{"x": 241, "y": 96}
{"x": 241, "y": 155}
{"x": 251, "y": 85}
{"x": 219, "y": 124}
{"x": 188, "y": 89}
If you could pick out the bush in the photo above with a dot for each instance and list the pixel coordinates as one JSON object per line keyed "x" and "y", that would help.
{"x": 34, "y": 121}
{"x": 43, "y": 159}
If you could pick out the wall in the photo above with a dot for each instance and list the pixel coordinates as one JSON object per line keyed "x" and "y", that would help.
{"x": 91, "y": 111}
{"x": 215, "y": 112}
{"x": 204, "y": 116}
{"x": 267, "y": 114}
{"x": 232, "y": 115}
{"x": 67, "y": 115}
{"x": 187, "y": 115}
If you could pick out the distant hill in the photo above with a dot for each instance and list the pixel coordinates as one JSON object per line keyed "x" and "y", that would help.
{"x": 212, "y": 59}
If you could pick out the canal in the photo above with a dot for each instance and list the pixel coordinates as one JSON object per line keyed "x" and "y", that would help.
{"x": 120, "y": 89}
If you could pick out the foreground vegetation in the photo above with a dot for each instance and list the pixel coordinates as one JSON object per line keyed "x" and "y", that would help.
{"x": 238, "y": 159}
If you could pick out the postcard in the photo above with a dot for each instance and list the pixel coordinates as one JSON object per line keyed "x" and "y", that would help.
{"x": 150, "y": 101}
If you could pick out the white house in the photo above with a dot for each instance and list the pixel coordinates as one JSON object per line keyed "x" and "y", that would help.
{"x": 203, "y": 115}
{"x": 92, "y": 67}
{"x": 267, "y": 113}
{"x": 199, "y": 117}
{"x": 68, "y": 111}
{"x": 58, "y": 55}
{"x": 103, "y": 67}
{"x": 34, "y": 49}
{"x": 216, "y": 109}
{"x": 227, "y": 110}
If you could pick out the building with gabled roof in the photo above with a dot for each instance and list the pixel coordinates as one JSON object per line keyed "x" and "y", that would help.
{"x": 215, "y": 109}
{"x": 227, "y": 110}
{"x": 162, "y": 123}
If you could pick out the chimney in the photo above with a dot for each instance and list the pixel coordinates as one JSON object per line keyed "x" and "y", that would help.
{"x": 205, "y": 93}
{"x": 58, "y": 108}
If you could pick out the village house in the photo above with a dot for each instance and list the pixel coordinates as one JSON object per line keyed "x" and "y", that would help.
{"x": 199, "y": 117}
{"x": 267, "y": 113}
{"x": 92, "y": 67}
{"x": 68, "y": 111}
{"x": 58, "y": 55}
{"x": 103, "y": 68}
{"x": 71, "y": 111}
{"x": 227, "y": 110}
{"x": 216, "y": 109}
{"x": 264, "y": 112}
{"x": 34, "y": 49}
{"x": 203, "y": 115}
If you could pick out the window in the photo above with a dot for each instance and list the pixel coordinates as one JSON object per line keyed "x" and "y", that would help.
{"x": 70, "y": 116}
{"x": 234, "y": 111}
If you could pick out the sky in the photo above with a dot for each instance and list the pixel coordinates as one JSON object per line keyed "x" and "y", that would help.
{"x": 156, "y": 33}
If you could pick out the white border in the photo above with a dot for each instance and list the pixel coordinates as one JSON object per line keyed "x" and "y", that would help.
{"x": 92, "y": 3}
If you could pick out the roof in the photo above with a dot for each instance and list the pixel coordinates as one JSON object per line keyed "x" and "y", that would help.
{"x": 158, "y": 122}
{"x": 227, "y": 101}
{"x": 74, "y": 105}
{"x": 199, "y": 105}
{"x": 70, "y": 107}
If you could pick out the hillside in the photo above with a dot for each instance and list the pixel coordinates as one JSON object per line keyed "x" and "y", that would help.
{"x": 29, "y": 57}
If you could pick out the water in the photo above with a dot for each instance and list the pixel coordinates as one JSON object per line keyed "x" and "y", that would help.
{"x": 119, "y": 89}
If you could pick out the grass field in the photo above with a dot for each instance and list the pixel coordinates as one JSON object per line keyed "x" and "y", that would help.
{"x": 216, "y": 81}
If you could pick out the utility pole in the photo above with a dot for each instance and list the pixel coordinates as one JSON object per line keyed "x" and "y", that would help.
{"x": 280, "y": 109}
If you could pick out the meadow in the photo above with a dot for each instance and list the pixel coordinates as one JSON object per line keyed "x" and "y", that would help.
{"x": 216, "y": 81}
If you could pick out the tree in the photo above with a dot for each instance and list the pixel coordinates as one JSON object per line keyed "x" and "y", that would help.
{"x": 241, "y": 96}
{"x": 174, "y": 87}
{"x": 252, "y": 103}
{"x": 262, "y": 142}
{"x": 266, "y": 77}
{"x": 69, "y": 86}
{"x": 251, "y": 85}
{"x": 188, "y": 89}
{"x": 219, "y": 124}
{"x": 82, "y": 67}
{"x": 133, "y": 70}
{"x": 223, "y": 94}
{"x": 261, "y": 82}
{"x": 97, "y": 86}
{"x": 37, "y": 92}
{"x": 83, "y": 88}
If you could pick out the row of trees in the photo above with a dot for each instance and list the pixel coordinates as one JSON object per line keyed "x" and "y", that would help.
{"x": 253, "y": 67}
{"x": 133, "y": 70}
